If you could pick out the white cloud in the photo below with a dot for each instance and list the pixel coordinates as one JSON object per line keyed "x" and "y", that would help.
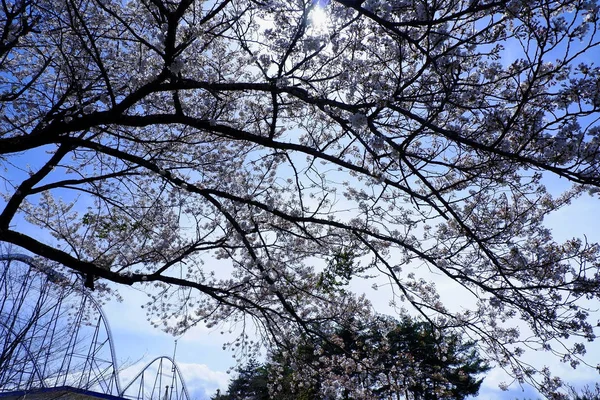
{"x": 134, "y": 333}
{"x": 201, "y": 381}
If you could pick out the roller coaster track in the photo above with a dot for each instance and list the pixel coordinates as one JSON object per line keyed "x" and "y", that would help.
{"x": 54, "y": 333}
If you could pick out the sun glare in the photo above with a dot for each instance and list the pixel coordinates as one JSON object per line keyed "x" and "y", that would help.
{"x": 319, "y": 19}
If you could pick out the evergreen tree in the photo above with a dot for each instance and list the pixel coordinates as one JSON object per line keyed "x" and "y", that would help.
{"x": 411, "y": 355}
{"x": 250, "y": 384}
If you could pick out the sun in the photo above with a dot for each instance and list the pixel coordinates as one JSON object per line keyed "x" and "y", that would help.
{"x": 319, "y": 19}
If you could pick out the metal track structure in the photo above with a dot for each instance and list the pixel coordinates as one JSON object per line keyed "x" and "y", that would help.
{"x": 160, "y": 373}
{"x": 53, "y": 333}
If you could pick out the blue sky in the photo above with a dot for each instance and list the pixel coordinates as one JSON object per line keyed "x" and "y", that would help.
{"x": 204, "y": 363}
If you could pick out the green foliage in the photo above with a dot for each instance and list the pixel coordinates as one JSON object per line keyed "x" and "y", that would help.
{"x": 446, "y": 364}
{"x": 339, "y": 271}
{"x": 428, "y": 365}
{"x": 104, "y": 225}
{"x": 250, "y": 384}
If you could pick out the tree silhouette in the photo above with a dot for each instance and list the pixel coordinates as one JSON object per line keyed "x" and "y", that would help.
{"x": 412, "y": 361}
{"x": 220, "y": 153}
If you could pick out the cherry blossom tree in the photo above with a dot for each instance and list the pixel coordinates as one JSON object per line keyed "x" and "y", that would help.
{"x": 157, "y": 142}
{"x": 410, "y": 361}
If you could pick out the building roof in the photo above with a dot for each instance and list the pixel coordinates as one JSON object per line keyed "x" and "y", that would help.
{"x": 56, "y": 393}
